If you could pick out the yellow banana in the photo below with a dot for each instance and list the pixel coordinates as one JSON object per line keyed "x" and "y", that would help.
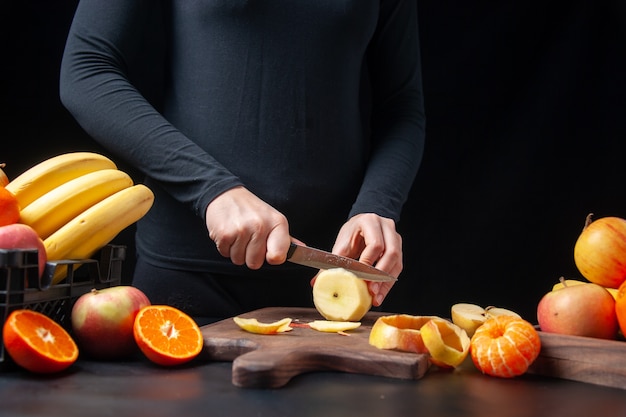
{"x": 88, "y": 232}
{"x": 49, "y": 174}
{"x": 55, "y": 208}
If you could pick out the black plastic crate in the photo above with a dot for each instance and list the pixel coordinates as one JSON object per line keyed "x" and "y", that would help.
{"x": 21, "y": 287}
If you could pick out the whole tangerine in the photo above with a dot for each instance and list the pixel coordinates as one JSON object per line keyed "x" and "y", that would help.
{"x": 9, "y": 207}
{"x": 620, "y": 307}
{"x": 505, "y": 346}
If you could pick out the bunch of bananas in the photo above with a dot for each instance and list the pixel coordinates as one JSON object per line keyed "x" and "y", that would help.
{"x": 77, "y": 203}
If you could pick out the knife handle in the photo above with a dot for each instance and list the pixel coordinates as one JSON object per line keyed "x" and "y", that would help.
{"x": 292, "y": 248}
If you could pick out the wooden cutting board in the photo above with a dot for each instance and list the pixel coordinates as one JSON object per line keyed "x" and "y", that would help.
{"x": 271, "y": 361}
{"x": 584, "y": 359}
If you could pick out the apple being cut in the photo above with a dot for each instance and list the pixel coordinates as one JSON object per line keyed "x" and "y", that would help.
{"x": 339, "y": 295}
{"x": 102, "y": 321}
{"x": 579, "y": 310}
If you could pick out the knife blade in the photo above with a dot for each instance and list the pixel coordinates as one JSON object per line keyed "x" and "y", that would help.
{"x": 316, "y": 258}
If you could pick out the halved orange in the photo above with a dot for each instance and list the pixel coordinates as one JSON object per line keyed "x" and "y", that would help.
{"x": 505, "y": 346}
{"x": 38, "y": 343}
{"x": 166, "y": 335}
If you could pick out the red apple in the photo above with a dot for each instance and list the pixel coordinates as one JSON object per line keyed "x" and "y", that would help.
{"x": 21, "y": 236}
{"x": 102, "y": 321}
{"x": 586, "y": 309}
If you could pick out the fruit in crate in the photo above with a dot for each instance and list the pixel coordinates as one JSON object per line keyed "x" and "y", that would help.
{"x": 339, "y": 295}
{"x": 167, "y": 336}
{"x": 21, "y": 236}
{"x": 505, "y": 346}
{"x": 54, "y": 209}
{"x": 586, "y": 309}
{"x": 470, "y": 316}
{"x": 600, "y": 251}
{"x": 78, "y": 202}
{"x": 102, "y": 321}
{"x": 38, "y": 343}
{"x": 9, "y": 207}
{"x": 55, "y": 171}
{"x": 91, "y": 230}
{"x": 4, "y": 180}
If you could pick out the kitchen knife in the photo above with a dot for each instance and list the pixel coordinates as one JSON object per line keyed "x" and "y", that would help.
{"x": 316, "y": 258}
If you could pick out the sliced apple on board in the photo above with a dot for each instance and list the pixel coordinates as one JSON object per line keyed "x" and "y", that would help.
{"x": 253, "y": 325}
{"x": 470, "y": 316}
{"x": 331, "y": 326}
{"x": 339, "y": 295}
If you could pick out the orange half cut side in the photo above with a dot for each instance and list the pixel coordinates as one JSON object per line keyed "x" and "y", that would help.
{"x": 166, "y": 335}
{"x": 38, "y": 343}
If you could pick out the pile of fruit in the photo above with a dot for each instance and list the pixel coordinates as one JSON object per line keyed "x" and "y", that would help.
{"x": 69, "y": 207}
{"x": 112, "y": 323}
{"x": 499, "y": 341}
{"x": 594, "y": 306}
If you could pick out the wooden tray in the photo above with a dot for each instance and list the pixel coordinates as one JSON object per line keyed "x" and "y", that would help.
{"x": 585, "y": 359}
{"x": 270, "y": 361}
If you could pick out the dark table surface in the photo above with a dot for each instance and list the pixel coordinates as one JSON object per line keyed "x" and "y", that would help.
{"x": 138, "y": 388}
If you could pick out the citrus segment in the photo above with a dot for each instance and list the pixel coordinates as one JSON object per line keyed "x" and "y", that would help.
{"x": 505, "y": 346}
{"x": 38, "y": 343}
{"x": 166, "y": 335}
{"x": 447, "y": 343}
{"x": 330, "y": 326}
{"x": 252, "y": 325}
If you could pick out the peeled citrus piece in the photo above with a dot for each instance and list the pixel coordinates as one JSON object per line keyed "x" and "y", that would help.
{"x": 252, "y": 325}
{"x": 400, "y": 332}
{"x": 331, "y": 326}
{"x": 166, "y": 335}
{"x": 447, "y": 343}
{"x": 38, "y": 343}
{"x": 505, "y": 346}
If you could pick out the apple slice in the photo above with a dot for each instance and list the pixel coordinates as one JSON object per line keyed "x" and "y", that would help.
{"x": 330, "y": 326}
{"x": 338, "y": 295}
{"x": 468, "y": 316}
{"x": 252, "y": 325}
{"x": 447, "y": 343}
{"x": 400, "y": 332}
{"x": 471, "y": 316}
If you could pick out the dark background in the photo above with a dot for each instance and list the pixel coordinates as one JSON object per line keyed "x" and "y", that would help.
{"x": 525, "y": 111}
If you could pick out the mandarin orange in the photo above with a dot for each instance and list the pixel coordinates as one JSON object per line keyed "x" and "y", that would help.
{"x": 9, "y": 207}
{"x": 38, "y": 343}
{"x": 4, "y": 180}
{"x": 166, "y": 335}
{"x": 620, "y": 307}
{"x": 505, "y": 346}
